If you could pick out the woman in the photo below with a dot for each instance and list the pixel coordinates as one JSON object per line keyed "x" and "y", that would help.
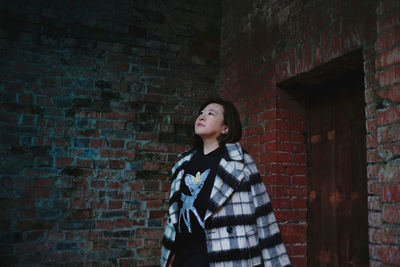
{"x": 220, "y": 213}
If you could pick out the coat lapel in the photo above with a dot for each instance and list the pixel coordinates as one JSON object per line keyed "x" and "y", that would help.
{"x": 229, "y": 175}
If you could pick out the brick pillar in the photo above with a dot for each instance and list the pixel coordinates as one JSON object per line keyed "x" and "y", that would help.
{"x": 384, "y": 140}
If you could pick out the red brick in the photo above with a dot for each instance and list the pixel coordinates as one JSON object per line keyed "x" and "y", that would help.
{"x": 317, "y": 55}
{"x": 374, "y": 203}
{"x": 375, "y": 251}
{"x": 391, "y": 234}
{"x": 389, "y": 76}
{"x": 151, "y": 166}
{"x": 281, "y": 203}
{"x": 63, "y": 162}
{"x": 78, "y": 204}
{"x": 151, "y": 186}
{"x": 300, "y": 180}
{"x": 110, "y": 125}
{"x": 374, "y": 187}
{"x": 147, "y": 233}
{"x": 374, "y": 219}
{"x": 254, "y": 130}
{"x": 392, "y": 93}
{"x": 299, "y": 203}
{"x": 371, "y": 125}
{"x": 391, "y": 254}
{"x": 105, "y": 225}
{"x": 117, "y": 164}
{"x": 276, "y": 157}
{"x": 374, "y": 235}
{"x": 135, "y": 243}
{"x": 372, "y": 171}
{"x": 85, "y": 163}
{"x": 147, "y": 252}
{"x": 117, "y": 143}
{"x": 336, "y": 46}
{"x": 97, "y": 204}
{"x": 97, "y": 184}
{"x": 123, "y": 223}
{"x": 300, "y": 158}
{"x": 298, "y": 261}
{"x": 299, "y": 250}
{"x": 390, "y": 151}
{"x": 114, "y": 185}
{"x": 388, "y": 58}
{"x": 154, "y": 204}
{"x": 97, "y": 143}
{"x": 387, "y": 6}
{"x": 158, "y": 214}
{"x": 371, "y": 81}
{"x": 388, "y": 39}
{"x": 391, "y": 193}
{"x": 115, "y": 204}
{"x": 391, "y": 213}
{"x": 269, "y": 115}
{"x": 388, "y": 115}
{"x": 290, "y": 215}
{"x": 373, "y": 155}
{"x": 292, "y": 234}
{"x": 372, "y": 140}
{"x": 152, "y": 243}
{"x": 138, "y": 222}
{"x": 390, "y": 133}
{"x": 307, "y": 54}
{"x": 277, "y": 180}
{"x": 136, "y": 186}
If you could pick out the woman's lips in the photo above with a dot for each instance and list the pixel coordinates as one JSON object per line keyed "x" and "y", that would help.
{"x": 200, "y": 124}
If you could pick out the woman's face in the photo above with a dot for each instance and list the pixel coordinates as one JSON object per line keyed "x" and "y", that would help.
{"x": 210, "y": 122}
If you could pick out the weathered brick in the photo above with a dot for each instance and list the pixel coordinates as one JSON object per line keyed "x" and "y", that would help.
{"x": 388, "y": 39}
{"x": 390, "y": 254}
{"x": 391, "y": 234}
{"x": 390, "y": 193}
{"x": 391, "y": 213}
{"x": 389, "y": 76}
{"x": 116, "y": 164}
{"x": 388, "y": 115}
{"x": 388, "y": 58}
{"x": 390, "y": 172}
{"x": 392, "y": 93}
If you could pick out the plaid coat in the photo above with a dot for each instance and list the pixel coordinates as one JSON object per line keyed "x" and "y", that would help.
{"x": 241, "y": 229}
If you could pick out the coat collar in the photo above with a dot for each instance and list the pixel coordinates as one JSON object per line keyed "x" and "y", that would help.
{"x": 228, "y": 177}
{"x": 234, "y": 150}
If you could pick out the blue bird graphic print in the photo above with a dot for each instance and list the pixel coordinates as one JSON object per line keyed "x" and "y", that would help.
{"x": 195, "y": 184}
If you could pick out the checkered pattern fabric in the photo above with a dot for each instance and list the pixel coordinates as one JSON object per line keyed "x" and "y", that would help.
{"x": 241, "y": 229}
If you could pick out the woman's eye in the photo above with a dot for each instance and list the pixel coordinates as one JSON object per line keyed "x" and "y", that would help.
{"x": 210, "y": 113}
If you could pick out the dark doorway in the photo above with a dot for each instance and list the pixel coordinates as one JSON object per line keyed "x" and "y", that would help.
{"x": 333, "y": 98}
{"x": 337, "y": 210}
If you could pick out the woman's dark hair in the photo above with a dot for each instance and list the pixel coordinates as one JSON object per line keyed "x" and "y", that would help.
{"x": 231, "y": 119}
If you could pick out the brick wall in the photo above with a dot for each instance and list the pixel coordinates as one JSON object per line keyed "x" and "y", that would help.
{"x": 264, "y": 43}
{"x": 96, "y": 100}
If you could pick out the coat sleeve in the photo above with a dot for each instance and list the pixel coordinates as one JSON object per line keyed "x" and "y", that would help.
{"x": 271, "y": 244}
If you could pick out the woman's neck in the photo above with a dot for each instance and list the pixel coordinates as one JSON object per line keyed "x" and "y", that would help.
{"x": 209, "y": 146}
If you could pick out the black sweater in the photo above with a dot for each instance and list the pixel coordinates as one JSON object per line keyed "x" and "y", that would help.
{"x": 191, "y": 247}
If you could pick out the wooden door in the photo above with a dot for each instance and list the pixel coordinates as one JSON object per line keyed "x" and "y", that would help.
{"x": 337, "y": 209}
